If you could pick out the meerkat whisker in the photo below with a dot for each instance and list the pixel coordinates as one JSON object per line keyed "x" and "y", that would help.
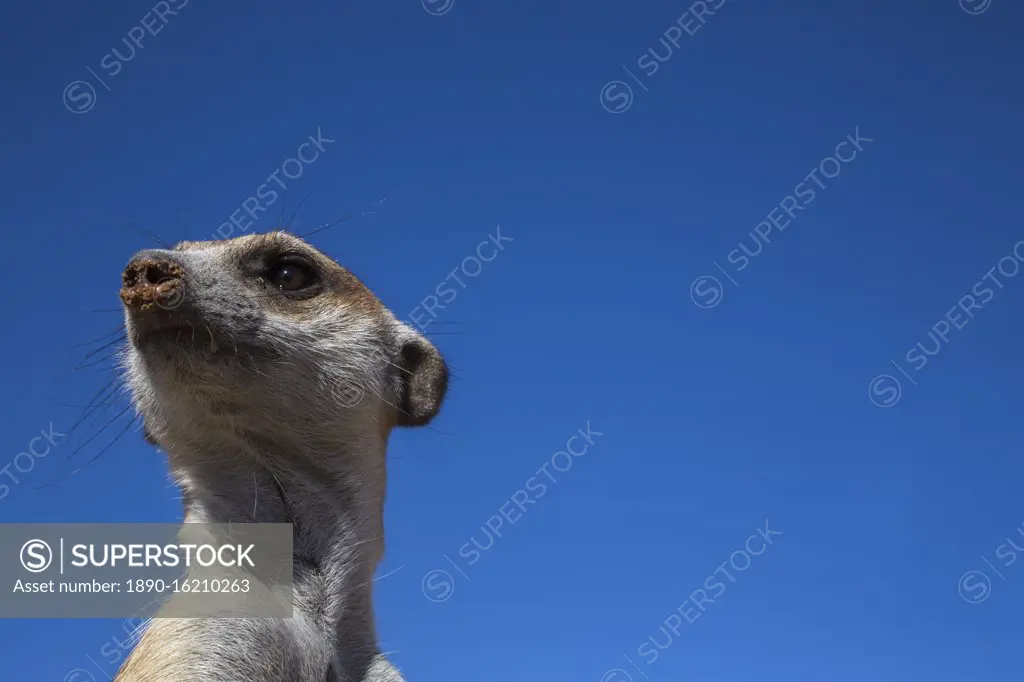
{"x": 106, "y": 447}
{"x": 99, "y": 433}
{"x": 119, "y": 330}
{"x": 98, "y": 400}
{"x": 97, "y": 455}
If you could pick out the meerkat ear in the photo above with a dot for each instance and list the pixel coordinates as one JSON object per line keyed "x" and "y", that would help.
{"x": 424, "y": 381}
{"x": 148, "y": 436}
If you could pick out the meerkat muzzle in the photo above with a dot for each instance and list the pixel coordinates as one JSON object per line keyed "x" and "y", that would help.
{"x": 150, "y": 282}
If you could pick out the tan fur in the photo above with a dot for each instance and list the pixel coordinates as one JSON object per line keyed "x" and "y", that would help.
{"x": 275, "y": 406}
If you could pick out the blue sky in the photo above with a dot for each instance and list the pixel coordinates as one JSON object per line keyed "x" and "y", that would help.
{"x": 789, "y": 391}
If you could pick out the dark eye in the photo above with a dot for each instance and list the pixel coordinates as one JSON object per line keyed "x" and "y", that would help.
{"x": 291, "y": 276}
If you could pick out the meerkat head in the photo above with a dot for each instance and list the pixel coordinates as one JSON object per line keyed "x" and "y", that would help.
{"x": 263, "y": 337}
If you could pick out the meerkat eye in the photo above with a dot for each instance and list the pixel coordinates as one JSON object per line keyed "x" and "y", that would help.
{"x": 290, "y": 276}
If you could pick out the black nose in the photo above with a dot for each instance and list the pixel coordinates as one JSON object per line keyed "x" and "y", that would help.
{"x": 153, "y": 277}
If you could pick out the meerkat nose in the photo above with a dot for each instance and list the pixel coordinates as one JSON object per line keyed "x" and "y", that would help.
{"x": 153, "y": 278}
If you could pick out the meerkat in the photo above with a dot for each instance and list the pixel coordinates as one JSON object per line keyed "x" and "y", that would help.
{"x": 272, "y": 377}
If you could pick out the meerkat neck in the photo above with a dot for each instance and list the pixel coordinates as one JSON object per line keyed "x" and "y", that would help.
{"x": 338, "y": 534}
{"x": 326, "y": 489}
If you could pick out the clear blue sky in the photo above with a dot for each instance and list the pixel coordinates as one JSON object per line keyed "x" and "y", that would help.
{"x": 714, "y": 419}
